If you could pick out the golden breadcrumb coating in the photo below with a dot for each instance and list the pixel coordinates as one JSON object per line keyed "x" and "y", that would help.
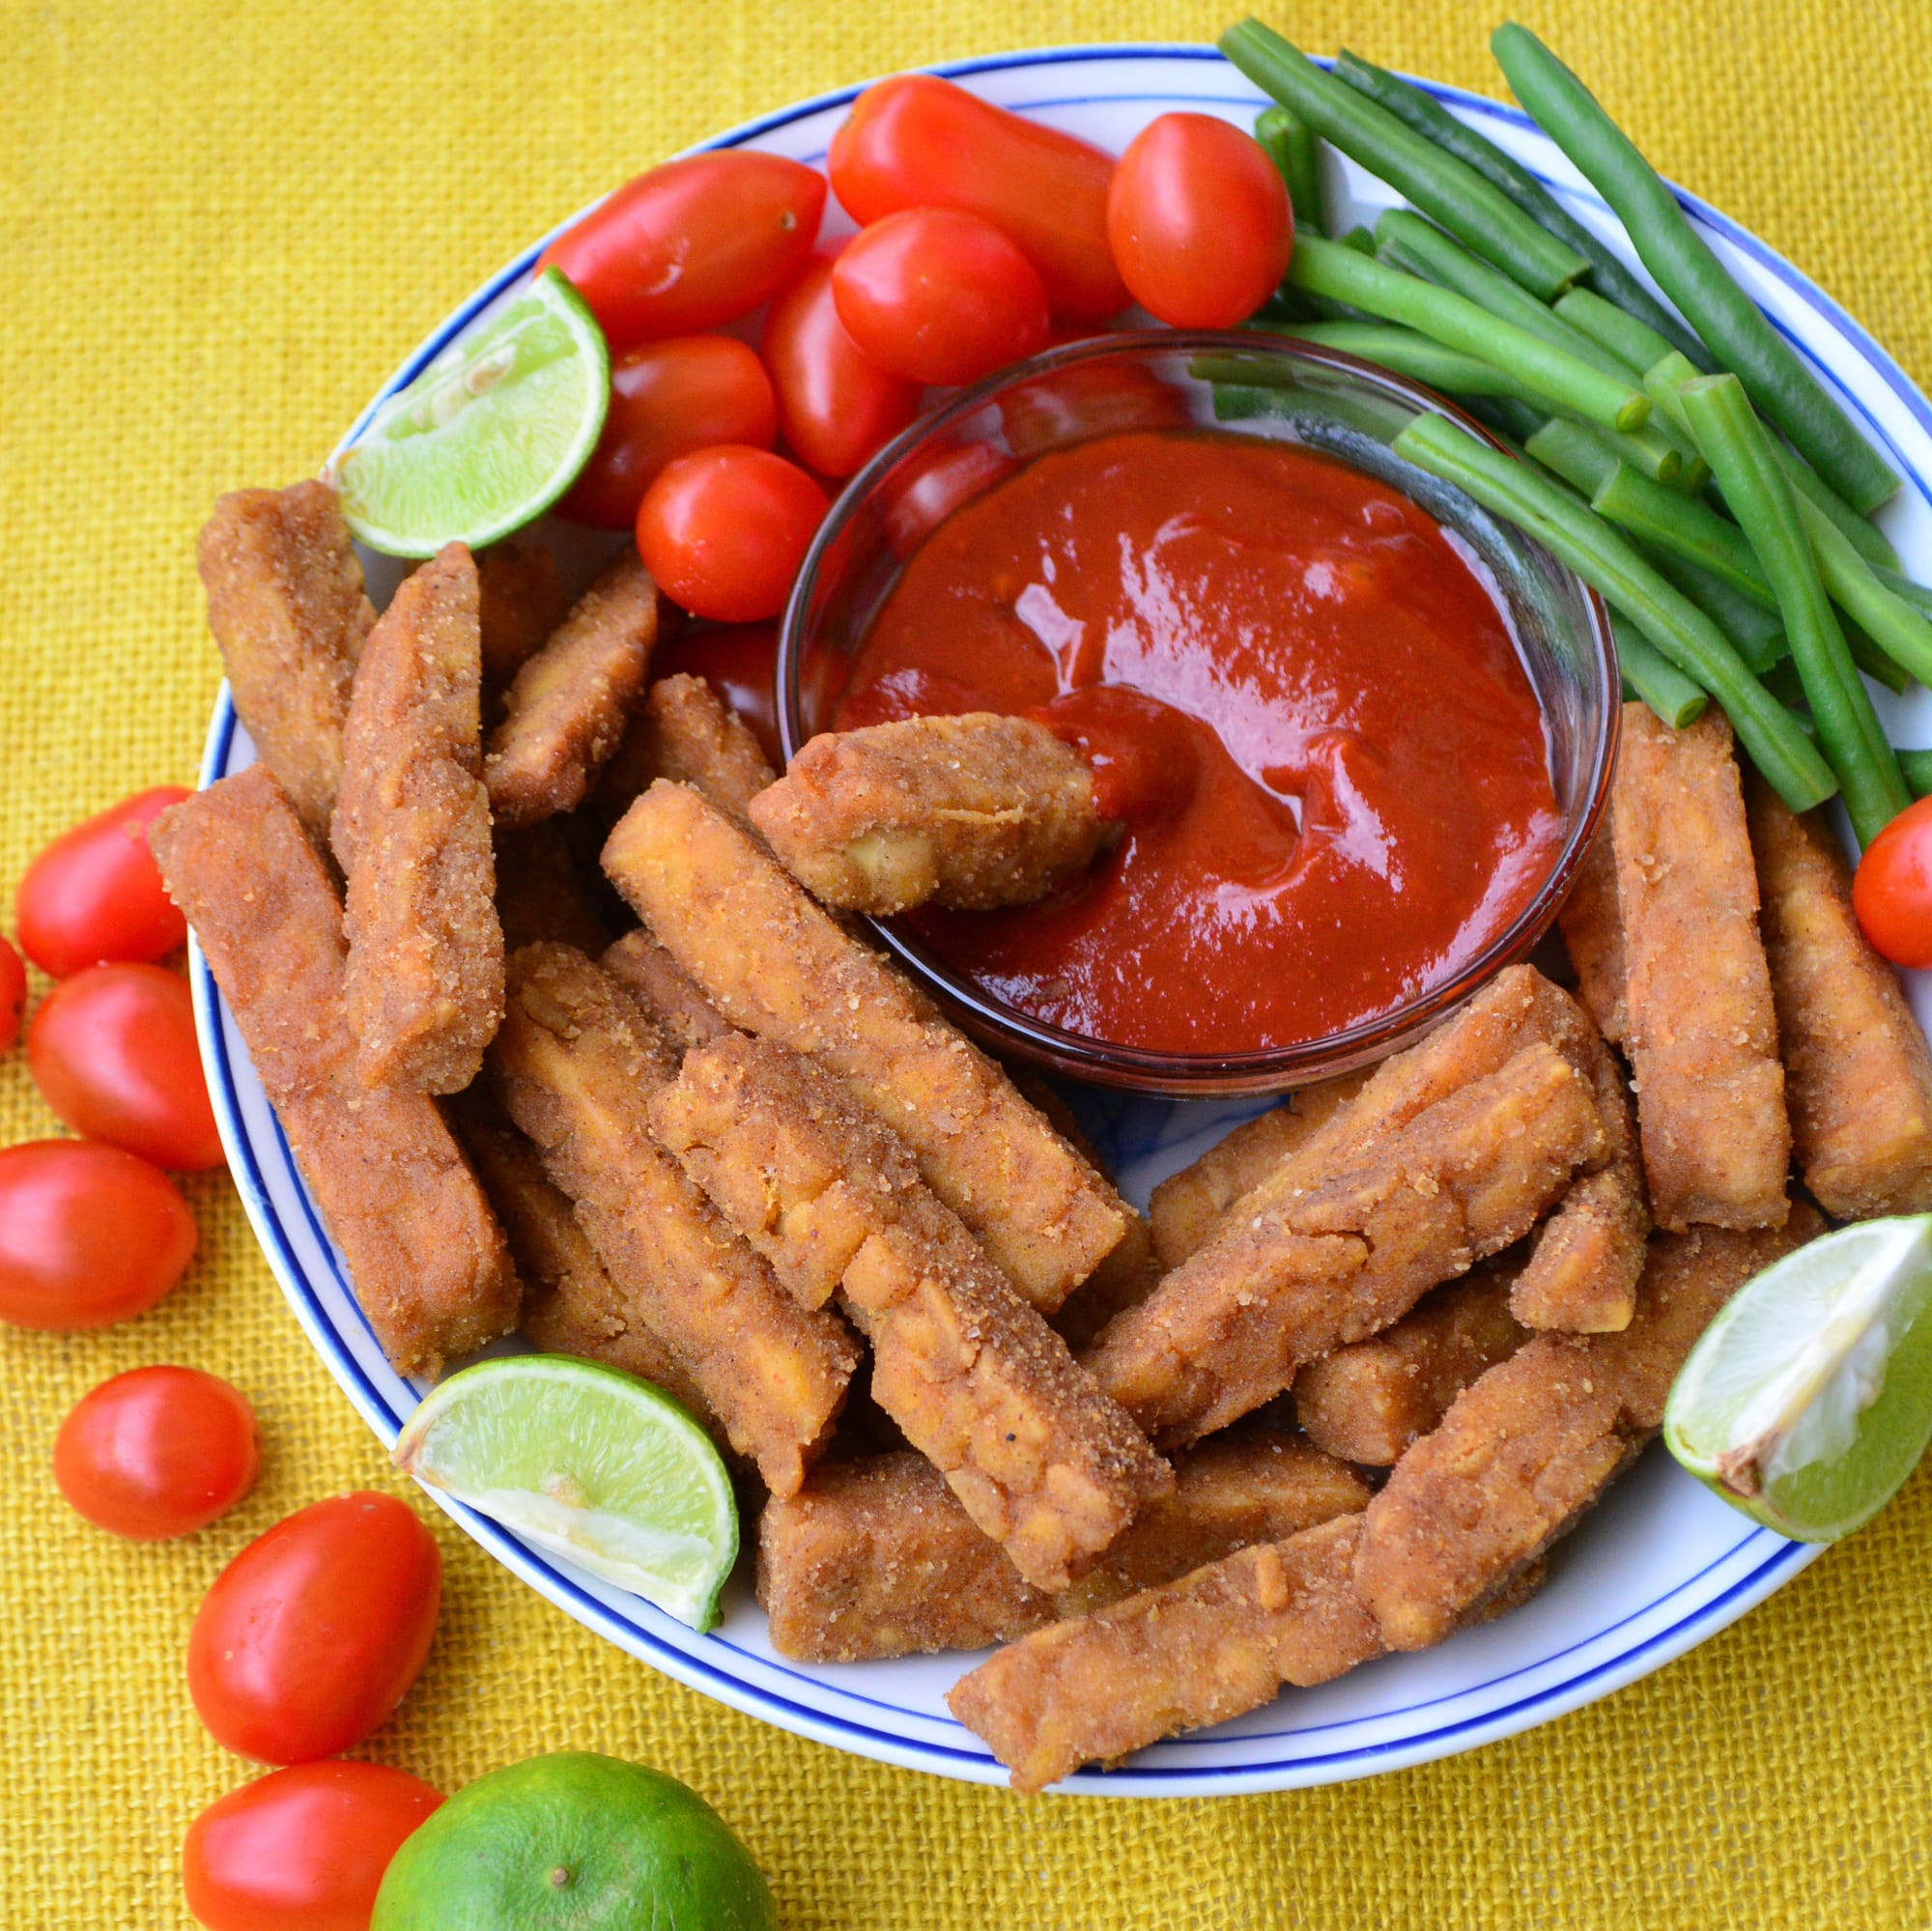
{"x": 1592, "y": 924}
{"x": 686, "y": 732}
{"x": 678, "y": 1009}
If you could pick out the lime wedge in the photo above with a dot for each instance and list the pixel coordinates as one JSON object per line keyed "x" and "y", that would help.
{"x": 489, "y": 435}
{"x": 1808, "y": 1401}
{"x": 590, "y": 1464}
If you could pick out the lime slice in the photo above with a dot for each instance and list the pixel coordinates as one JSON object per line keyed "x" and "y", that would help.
{"x": 1808, "y": 1401}
{"x": 489, "y": 435}
{"x": 590, "y": 1464}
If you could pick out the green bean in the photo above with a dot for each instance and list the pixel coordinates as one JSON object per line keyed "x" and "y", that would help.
{"x": 1902, "y": 586}
{"x": 1335, "y": 273}
{"x": 1649, "y": 675}
{"x": 1360, "y": 239}
{"x": 1737, "y": 330}
{"x": 1903, "y": 633}
{"x": 1518, "y": 420}
{"x": 1877, "y": 665}
{"x": 1406, "y": 352}
{"x": 1456, "y": 195}
{"x": 1291, "y": 145}
{"x": 1757, "y": 633}
{"x": 1664, "y": 380}
{"x": 1627, "y": 337}
{"x": 1739, "y": 450}
{"x": 1662, "y": 519}
{"x": 1434, "y": 123}
{"x": 1915, "y": 768}
{"x": 1573, "y": 452}
{"x": 1596, "y": 552}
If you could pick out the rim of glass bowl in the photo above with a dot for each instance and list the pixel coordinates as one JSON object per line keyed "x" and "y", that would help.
{"x": 1149, "y": 1069}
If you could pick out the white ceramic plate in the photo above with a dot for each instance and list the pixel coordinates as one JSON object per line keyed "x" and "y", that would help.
{"x": 1657, "y": 1568}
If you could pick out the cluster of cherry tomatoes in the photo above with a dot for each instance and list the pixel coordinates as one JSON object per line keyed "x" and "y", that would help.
{"x": 984, "y": 238}
{"x": 308, "y": 1639}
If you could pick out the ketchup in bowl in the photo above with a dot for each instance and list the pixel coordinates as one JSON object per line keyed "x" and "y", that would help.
{"x": 1297, "y": 696}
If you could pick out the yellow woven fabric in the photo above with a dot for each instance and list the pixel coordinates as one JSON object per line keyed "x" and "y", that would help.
{"x": 224, "y": 223}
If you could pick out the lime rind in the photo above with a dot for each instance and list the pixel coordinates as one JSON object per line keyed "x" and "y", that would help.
{"x": 489, "y": 435}
{"x": 1808, "y": 1401}
{"x": 589, "y": 1464}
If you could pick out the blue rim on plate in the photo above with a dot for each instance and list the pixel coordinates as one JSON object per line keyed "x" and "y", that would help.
{"x": 310, "y": 1273}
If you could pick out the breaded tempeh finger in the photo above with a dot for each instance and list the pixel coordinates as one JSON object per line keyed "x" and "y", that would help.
{"x": 1592, "y": 924}
{"x": 1526, "y": 1449}
{"x": 686, "y": 732}
{"x": 573, "y": 1307}
{"x": 1042, "y": 1460}
{"x": 286, "y": 604}
{"x": 566, "y": 708}
{"x": 522, "y": 601}
{"x": 578, "y": 1063}
{"x": 1214, "y": 1645}
{"x": 412, "y": 834}
{"x": 1366, "y": 1401}
{"x": 1702, "y": 1032}
{"x": 876, "y": 1557}
{"x": 776, "y": 964}
{"x": 1282, "y": 1285}
{"x": 667, "y": 991}
{"x": 971, "y": 811}
{"x": 1858, "y": 1072}
{"x": 425, "y": 1256}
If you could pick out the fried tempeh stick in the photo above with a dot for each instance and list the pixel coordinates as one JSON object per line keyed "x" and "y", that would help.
{"x": 522, "y": 601}
{"x": 1525, "y": 1449}
{"x": 971, "y": 811}
{"x": 1366, "y": 1401}
{"x": 1592, "y": 924}
{"x": 578, "y": 1063}
{"x": 876, "y": 1557}
{"x": 540, "y": 894}
{"x": 1214, "y": 1645}
{"x": 686, "y": 732}
{"x": 573, "y": 1307}
{"x": 1702, "y": 1032}
{"x": 1858, "y": 1072}
{"x": 776, "y": 964}
{"x": 668, "y": 993}
{"x": 1282, "y": 1285}
{"x": 425, "y": 1256}
{"x": 286, "y": 604}
{"x": 1042, "y": 1460}
{"x": 411, "y": 833}
{"x": 565, "y": 710}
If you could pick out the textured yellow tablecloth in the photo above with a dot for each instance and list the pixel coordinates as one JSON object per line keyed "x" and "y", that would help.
{"x": 224, "y": 224}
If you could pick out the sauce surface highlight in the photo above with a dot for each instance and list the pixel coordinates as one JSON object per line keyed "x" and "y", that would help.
{"x": 1301, "y": 701}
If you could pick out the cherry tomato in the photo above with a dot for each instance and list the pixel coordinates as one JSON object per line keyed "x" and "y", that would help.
{"x": 723, "y": 532}
{"x": 13, "y": 994}
{"x": 156, "y": 1453}
{"x": 311, "y": 1635}
{"x": 113, "y": 1051}
{"x": 1199, "y": 220}
{"x": 301, "y": 1849}
{"x": 741, "y": 664}
{"x": 1891, "y": 891}
{"x": 691, "y": 245}
{"x": 836, "y": 407}
{"x": 918, "y": 141}
{"x": 667, "y": 400}
{"x": 89, "y": 1234}
{"x": 95, "y": 893}
{"x": 936, "y": 296}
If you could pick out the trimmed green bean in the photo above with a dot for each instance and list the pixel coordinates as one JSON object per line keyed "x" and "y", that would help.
{"x": 1902, "y": 586}
{"x": 1875, "y": 663}
{"x": 1903, "y": 633}
{"x": 1724, "y": 315}
{"x": 1455, "y": 194}
{"x": 1518, "y": 421}
{"x": 1739, "y": 450}
{"x": 1290, "y": 143}
{"x": 1664, "y": 520}
{"x": 1573, "y": 452}
{"x": 1434, "y": 123}
{"x": 1406, "y": 352}
{"x": 1545, "y": 510}
{"x": 1758, "y": 634}
{"x": 1915, "y": 768}
{"x": 1649, "y": 675}
{"x": 1627, "y": 337}
{"x": 1336, "y": 273}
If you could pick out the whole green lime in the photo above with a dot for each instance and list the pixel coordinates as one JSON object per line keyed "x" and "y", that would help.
{"x": 574, "y": 1842}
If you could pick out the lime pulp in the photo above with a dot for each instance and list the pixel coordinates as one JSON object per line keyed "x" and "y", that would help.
{"x": 590, "y": 1464}
{"x": 1808, "y": 1401}
{"x": 489, "y": 435}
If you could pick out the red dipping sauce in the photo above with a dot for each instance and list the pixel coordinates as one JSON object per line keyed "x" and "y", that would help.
{"x": 1295, "y": 692}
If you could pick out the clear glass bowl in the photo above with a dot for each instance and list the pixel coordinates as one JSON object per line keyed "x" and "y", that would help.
{"x": 1250, "y": 386}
